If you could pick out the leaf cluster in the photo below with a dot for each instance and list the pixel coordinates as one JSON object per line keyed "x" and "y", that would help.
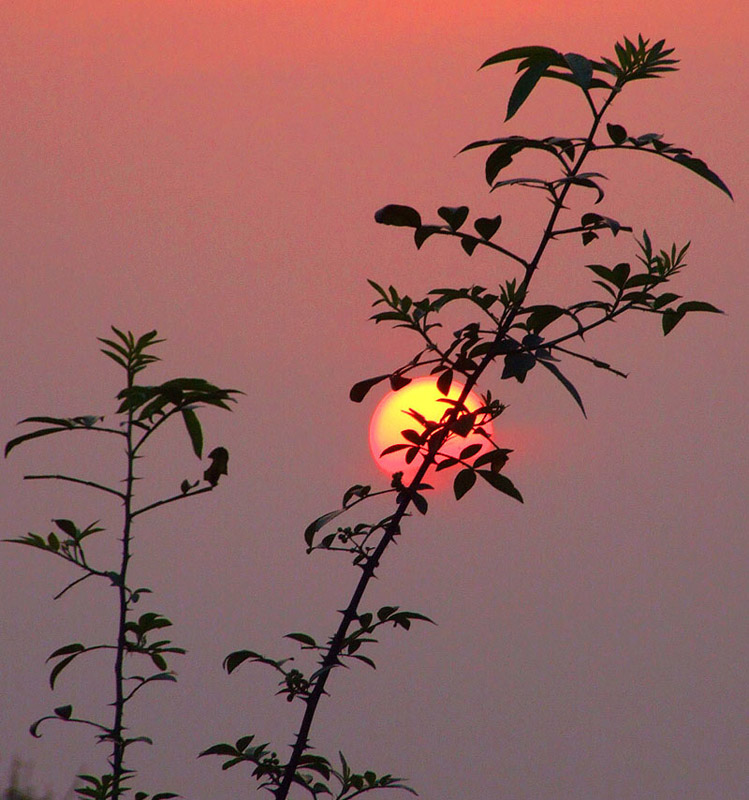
{"x": 505, "y": 332}
{"x": 315, "y": 773}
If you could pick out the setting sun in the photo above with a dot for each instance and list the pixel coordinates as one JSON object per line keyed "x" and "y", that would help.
{"x": 391, "y": 417}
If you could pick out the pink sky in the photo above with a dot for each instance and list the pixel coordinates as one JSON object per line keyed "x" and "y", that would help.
{"x": 211, "y": 169}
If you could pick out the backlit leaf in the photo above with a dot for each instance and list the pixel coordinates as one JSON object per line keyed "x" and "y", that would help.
{"x": 444, "y": 381}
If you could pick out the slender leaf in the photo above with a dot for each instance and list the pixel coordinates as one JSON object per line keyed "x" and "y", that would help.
{"x": 302, "y": 638}
{"x": 59, "y": 667}
{"x": 502, "y": 483}
{"x": 700, "y": 167}
{"x": 527, "y": 81}
{"x": 423, "y": 232}
{"x": 581, "y": 68}
{"x": 697, "y": 305}
{"x": 194, "y": 430}
{"x": 34, "y": 435}
{"x": 320, "y": 522}
{"x": 566, "y": 383}
{"x": 515, "y": 53}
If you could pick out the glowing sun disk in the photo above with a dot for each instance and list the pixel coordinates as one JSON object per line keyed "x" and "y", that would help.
{"x": 391, "y": 417}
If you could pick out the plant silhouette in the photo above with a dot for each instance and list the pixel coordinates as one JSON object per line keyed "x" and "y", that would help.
{"x": 142, "y": 412}
{"x": 501, "y": 325}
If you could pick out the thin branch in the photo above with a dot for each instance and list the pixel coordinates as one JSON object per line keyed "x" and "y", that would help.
{"x": 92, "y": 484}
{"x": 74, "y": 583}
{"x": 172, "y": 499}
{"x": 484, "y": 242}
{"x": 154, "y": 426}
{"x": 594, "y": 361}
{"x": 581, "y": 229}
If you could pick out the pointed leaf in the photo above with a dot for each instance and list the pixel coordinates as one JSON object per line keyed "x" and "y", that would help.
{"x": 517, "y": 365}
{"x": 420, "y": 503}
{"x": 463, "y": 482}
{"x": 233, "y": 660}
{"x": 701, "y": 168}
{"x": 498, "y": 160}
{"x": 76, "y": 647}
{"x": 670, "y": 319}
{"x": 67, "y": 526}
{"x": 320, "y": 522}
{"x": 515, "y": 53}
{"x": 581, "y": 68}
{"x": 219, "y": 750}
{"x": 59, "y": 667}
{"x": 617, "y": 133}
{"x": 27, "y": 436}
{"x": 469, "y": 243}
{"x": 194, "y": 430}
{"x": 422, "y": 233}
{"x": 302, "y": 638}
{"x": 541, "y": 316}
{"x": 502, "y": 483}
{"x": 697, "y": 305}
{"x": 665, "y": 299}
{"x": 469, "y": 451}
{"x": 527, "y": 82}
{"x": 566, "y": 383}
{"x": 445, "y": 381}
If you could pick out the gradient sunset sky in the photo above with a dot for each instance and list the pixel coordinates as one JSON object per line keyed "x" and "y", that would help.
{"x": 211, "y": 169}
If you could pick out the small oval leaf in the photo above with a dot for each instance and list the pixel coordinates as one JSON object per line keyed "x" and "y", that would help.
{"x": 463, "y": 482}
{"x": 401, "y": 216}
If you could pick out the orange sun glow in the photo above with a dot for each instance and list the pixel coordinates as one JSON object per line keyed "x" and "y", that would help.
{"x": 391, "y": 417}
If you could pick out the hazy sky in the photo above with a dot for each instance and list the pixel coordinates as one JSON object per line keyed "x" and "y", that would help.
{"x": 211, "y": 169}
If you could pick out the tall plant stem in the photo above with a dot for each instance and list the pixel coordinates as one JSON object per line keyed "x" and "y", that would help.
{"x": 118, "y": 745}
{"x": 331, "y": 659}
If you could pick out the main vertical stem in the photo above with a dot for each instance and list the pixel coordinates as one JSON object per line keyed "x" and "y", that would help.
{"x": 331, "y": 658}
{"x": 118, "y": 747}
